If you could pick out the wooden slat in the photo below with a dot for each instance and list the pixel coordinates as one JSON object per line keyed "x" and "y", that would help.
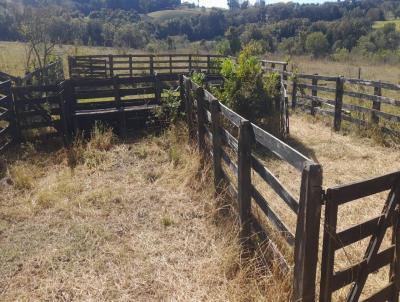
{"x": 38, "y": 101}
{"x": 229, "y": 139}
{"x": 231, "y": 115}
{"x": 276, "y": 221}
{"x": 282, "y": 150}
{"x": 316, "y": 98}
{"x": 356, "y": 190}
{"x": 113, "y": 110}
{"x": 371, "y": 97}
{"x": 30, "y": 89}
{"x": 356, "y": 233}
{"x": 382, "y": 295}
{"x": 373, "y": 84}
{"x": 316, "y": 76}
{"x": 278, "y": 256}
{"x": 231, "y": 189}
{"x": 5, "y": 131}
{"x": 225, "y": 157}
{"x": 275, "y": 184}
{"x": 324, "y": 111}
{"x": 349, "y": 275}
{"x": 316, "y": 87}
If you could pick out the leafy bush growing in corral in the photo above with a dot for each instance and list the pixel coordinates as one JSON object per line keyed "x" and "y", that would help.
{"x": 170, "y": 109}
{"x": 249, "y": 93}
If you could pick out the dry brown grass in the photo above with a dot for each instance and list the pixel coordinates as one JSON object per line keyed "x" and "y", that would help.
{"x": 121, "y": 221}
{"x": 345, "y": 158}
{"x": 369, "y": 70}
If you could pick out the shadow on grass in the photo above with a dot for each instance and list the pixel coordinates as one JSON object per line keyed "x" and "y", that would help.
{"x": 302, "y": 148}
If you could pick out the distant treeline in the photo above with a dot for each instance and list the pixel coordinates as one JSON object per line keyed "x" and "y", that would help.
{"x": 334, "y": 28}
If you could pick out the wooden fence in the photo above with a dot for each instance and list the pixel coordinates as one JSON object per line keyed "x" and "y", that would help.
{"x": 204, "y": 118}
{"x": 361, "y": 102}
{"x": 108, "y": 66}
{"x": 234, "y": 144}
{"x": 7, "y": 120}
{"x": 375, "y": 257}
{"x": 51, "y": 74}
{"x": 70, "y": 105}
{"x": 36, "y": 107}
{"x": 231, "y": 142}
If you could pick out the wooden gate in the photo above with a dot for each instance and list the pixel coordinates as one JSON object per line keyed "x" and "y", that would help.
{"x": 37, "y": 107}
{"x": 7, "y": 125}
{"x": 376, "y": 256}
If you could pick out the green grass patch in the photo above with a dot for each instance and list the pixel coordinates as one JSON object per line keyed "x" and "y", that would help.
{"x": 164, "y": 15}
{"x": 381, "y": 24}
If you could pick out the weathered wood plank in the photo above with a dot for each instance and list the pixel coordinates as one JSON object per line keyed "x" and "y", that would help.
{"x": 275, "y": 184}
{"x": 244, "y": 180}
{"x": 349, "y": 275}
{"x": 356, "y": 233}
{"x": 272, "y": 216}
{"x": 281, "y": 149}
{"x": 345, "y": 193}
{"x": 307, "y": 234}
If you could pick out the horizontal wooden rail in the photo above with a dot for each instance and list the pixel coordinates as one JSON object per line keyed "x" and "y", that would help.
{"x": 345, "y": 193}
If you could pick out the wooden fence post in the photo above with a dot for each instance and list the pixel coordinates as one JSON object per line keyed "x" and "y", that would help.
{"x": 376, "y": 105}
{"x": 314, "y": 92}
{"x": 338, "y": 103}
{"x": 182, "y": 106}
{"x": 244, "y": 179}
{"x": 201, "y": 120}
{"x": 64, "y": 115}
{"x": 111, "y": 65}
{"x": 208, "y": 64}
{"x": 294, "y": 93}
{"x": 307, "y": 234}
{"x": 285, "y": 77}
{"x": 70, "y": 63}
{"x": 130, "y": 66}
{"x": 395, "y": 266}
{"x": 189, "y": 107}
{"x": 120, "y": 108}
{"x": 13, "y": 119}
{"x": 157, "y": 88}
{"x": 151, "y": 64}
{"x": 216, "y": 144}
{"x": 190, "y": 63}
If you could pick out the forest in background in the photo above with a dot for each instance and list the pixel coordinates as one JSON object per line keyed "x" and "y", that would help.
{"x": 340, "y": 30}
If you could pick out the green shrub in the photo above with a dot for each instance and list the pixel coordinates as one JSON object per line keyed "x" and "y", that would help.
{"x": 248, "y": 93}
{"x": 169, "y": 111}
{"x": 199, "y": 78}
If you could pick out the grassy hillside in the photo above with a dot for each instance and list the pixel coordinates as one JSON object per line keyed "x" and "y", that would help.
{"x": 164, "y": 15}
{"x": 380, "y": 24}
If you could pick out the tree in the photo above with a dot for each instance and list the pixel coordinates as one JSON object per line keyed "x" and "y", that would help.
{"x": 36, "y": 27}
{"x": 317, "y": 44}
{"x": 233, "y": 4}
{"x": 232, "y": 36}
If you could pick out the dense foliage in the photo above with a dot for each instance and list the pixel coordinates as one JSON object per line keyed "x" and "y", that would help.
{"x": 248, "y": 92}
{"x": 333, "y": 28}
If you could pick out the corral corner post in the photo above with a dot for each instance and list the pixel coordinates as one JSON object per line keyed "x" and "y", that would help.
{"x": 201, "y": 119}
{"x": 337, "y": 123}
{"x": 216, "y": 144}
{"x": 307, "y": 234}
{"x": 244, "y": 179}
{"x": 189, "y": 107}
